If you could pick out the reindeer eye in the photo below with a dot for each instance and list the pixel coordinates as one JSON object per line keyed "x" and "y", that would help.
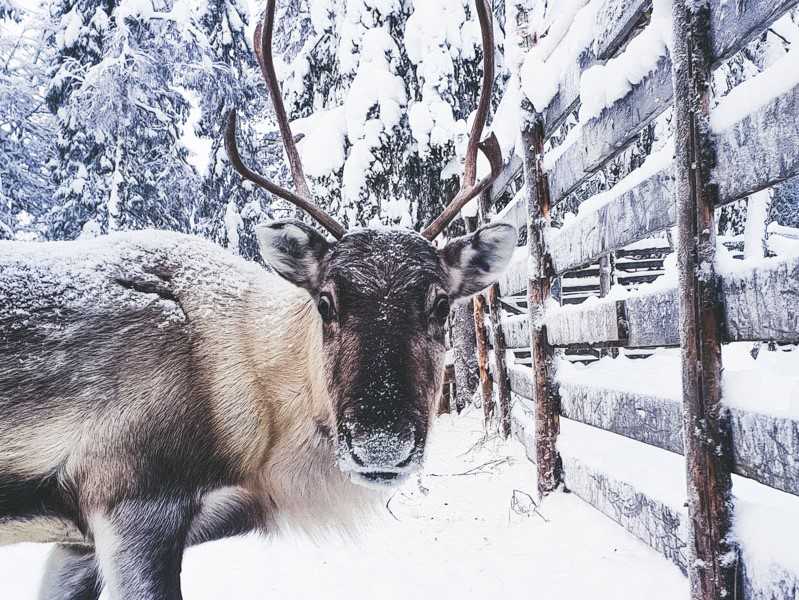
{"x": 325, "y": 306}
{"x": 441, "y": 308}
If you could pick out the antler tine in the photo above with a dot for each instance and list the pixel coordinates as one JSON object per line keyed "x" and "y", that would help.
{"x": 490, "y": 147}
{"x": 301, "y": 199}
{"x": 263, "y": 52}
{"x": 325, "y": 220}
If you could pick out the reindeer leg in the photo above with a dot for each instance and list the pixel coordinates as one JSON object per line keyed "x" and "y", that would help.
{"x": 139, "y": 545}
{"x": 70, "y": 574}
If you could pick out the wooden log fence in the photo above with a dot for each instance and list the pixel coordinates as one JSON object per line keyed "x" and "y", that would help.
{"x": 697, "y": 311}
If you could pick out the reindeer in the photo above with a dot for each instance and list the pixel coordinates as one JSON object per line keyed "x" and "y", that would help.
{"x": 157, "y": 392}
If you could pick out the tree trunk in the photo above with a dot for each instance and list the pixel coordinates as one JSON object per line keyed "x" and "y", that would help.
{"x": 464, "y": 349}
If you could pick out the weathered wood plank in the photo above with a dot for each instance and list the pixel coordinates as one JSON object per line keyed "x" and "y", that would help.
{"x": 617, "y": 18}
{"x": 763, "y": 303}
{"x": 766, "y": 141}
{"x": 517, "y": 331}
{"x": 509, "y": 172}
{"x": 523, "y": 424}
{"x": 646, "y": 208}
{"x": 649, "y": 419}
{"x": 766, "y": 449}
{"x": 658, "y": 525}
{"x": 514, "y": 280}
{"x": 515, "y": 213}
{"x": 612, "y": 130}
{"x": 734, "y": 24}
{"x": 760, "y": 303}
{"x": 652, "y": 319}
{"x": 587, "y": 323}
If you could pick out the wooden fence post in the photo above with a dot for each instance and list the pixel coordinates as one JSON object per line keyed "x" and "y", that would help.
{"x": 482, "y": 345}
{"x": 547, "y": 407}
{"x": 500, "y": 367}
{"x": 497, "y": 337}
{"x": 712, "y": 565}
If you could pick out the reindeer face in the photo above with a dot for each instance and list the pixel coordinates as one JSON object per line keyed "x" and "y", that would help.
{"x": 383, "y": 296}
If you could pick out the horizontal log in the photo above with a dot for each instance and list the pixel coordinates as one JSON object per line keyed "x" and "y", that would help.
{"x": 514, "y": 280}
{"x": 522, "y": 424}
{"x": 645, "y": 495}
{"x": 767, "y": 141}
{"x": 762, "y": 303}
{"x": 735, "y": 24}
{"x": 587, "y": 323}
{"x": 517, "y": 331}
{"x": 647, "y": 418}
{"x": 639, "y": 495}
{"x": 646, "y": 208}
{"x": 764, "y": 446}
{"x": 616, "y": 18}
{"x": 652, "y": 319}
{"x": 515, "y": 213}
{"x": 612, "y": 130}
{"x": 509, "y": 173}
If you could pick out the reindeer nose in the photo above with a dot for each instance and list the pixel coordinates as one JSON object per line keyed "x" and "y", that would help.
{"x": 383, "y": 449}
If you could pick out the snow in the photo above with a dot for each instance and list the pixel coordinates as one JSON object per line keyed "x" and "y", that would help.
{"x": 200, "y": 148}
{"x": 654, "y": 472}
{"x": 755, "y": 229}
{"x": 765, "y": 521}
{"x": 756, "y": 92}
{"x": 544, "y": 66}
{"x": 455, "y": 536}
{"x": 654, "y": 163}
{"x": 322, "y": 148}
{"x": 233, "y": 223}
{"x": 766, "y": 385}
{"x": 506, "y": 122}
{"x": 436, "y": 33}
{"x": 604, "y": 84}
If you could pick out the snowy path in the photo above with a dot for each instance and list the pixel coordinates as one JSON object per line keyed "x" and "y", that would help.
{"x": 455, "y": 538}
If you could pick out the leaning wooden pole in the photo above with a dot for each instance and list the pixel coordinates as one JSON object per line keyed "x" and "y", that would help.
{"x": 712, "y": 567}
{"x": 481, "y": 338}
{"x": 547, "y": 408}
{"x": 500, "y": 379}
{"x": 500, "y": 364}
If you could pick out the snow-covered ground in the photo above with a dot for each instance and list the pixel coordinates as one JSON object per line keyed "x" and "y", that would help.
{"x": 454, "y": 535}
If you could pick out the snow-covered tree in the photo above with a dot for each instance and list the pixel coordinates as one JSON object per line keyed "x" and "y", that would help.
{"x": 383, "y": 90}
{"x": 121, "y": 112}
{"x": 227, "y": 210}
{"x": 26, "y": 140}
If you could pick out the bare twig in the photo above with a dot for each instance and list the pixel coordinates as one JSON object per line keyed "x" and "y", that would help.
{"x": 482, "y": 469}
{"x": 523, "y": 509}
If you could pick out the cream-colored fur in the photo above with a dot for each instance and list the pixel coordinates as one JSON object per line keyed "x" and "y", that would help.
{"x": 258, "y": 355}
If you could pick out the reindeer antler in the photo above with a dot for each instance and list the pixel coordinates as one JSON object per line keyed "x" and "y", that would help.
{"x": 489, "y": 147}
{"x": 302, "y": 199}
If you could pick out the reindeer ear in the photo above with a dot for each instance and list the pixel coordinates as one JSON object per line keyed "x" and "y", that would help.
{"x": 477, "y": 260}
{"x": 294, "y": 250}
